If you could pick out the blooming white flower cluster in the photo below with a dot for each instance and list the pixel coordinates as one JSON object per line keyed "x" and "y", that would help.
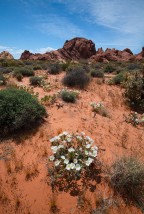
{"x": 96, "y": 106}
{"x": 73, "y": 151}
{"x": 134, "y": 119}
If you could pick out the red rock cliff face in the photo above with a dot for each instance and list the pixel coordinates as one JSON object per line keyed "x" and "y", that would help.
{"x": 75, "y": 49}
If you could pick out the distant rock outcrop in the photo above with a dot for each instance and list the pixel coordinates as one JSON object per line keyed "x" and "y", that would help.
{"x": 6, "y": 55}
{"x": 81, "y": 48}
{"x": 140, "y": 56}
{"x": 112, "y": 55}
{"x": 74, "y": 49}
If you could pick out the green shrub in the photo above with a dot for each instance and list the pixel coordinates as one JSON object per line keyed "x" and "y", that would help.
{"x": 17, "y": 75}
{"x": 65, "y": 65}
{"x": 18, "y": 110}
{"x": 127, "y": 179}
{"x": 5, "y": 70}
{"x": 75, "y": 68}
{"x": 2, "y": 80}
{"x": 76, "y": 78}
{"x": 68, "y": 96}
{"x": 98, "y": 74}
{"x": 135, "y": 92}
{"x": 37, "y": 67}
{"x": 133, "y": 67}
{"x": 26, "y": 72}
{"x": 109, "y": 69}
{"x": 36, "y": 81}
{"x": 54, "y": 68}
{"x": 118, "y": 79}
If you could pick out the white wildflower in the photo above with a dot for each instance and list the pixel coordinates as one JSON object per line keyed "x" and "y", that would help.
{"x": 78, "y": 167}
{"x": 72, "y": 165}
{"x": 60, "y": 146}
{"x": 68, "y": 166}
{"x": 66, "y": 161}
{"x": 88, "y": 146}
{"x": 63, "y": 157}
{"x": 51, "y": 158}
{"x": 57, "y": 162}
{"x": 71, "y": 149}
{"x": 75, "y": 160}
{"x": 86, "y": 152}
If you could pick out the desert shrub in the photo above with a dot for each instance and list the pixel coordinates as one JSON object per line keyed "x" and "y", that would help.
{"x": 2, "y": 80}
{"x": 99, "y": 108}
{"x": 76, "y": 68}
{"x": 134, "y": 119}
{"x": 135, "y": 92}
{"x": 36, "y": 81}
{"x": 37, "y": 67}
{"x": 6, "y": 70}
{"x": 127, "y": 180}
{"x": 118, "y": 79}
{"x": 18, "y": 110}
{"x": 109, "y": 69}
{"x": 133, "y": 66}
{"x": 76, "y": 78}
{"x": 97, "y": 73}
{"x": 26, "y": 72}
{"x": 69, "y": 96}
{"x": 17, "y": 75}
{"x": 54, "y": 68}
{"x": 65, "y": 65}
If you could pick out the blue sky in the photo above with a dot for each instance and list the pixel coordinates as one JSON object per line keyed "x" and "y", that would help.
{"x": 44, "y": 25}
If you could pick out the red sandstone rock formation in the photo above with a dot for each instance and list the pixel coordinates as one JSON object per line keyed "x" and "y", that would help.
{"x": 75, "y": 49}
{"x": 112, "y": 55}
{"x": 80, "y": 48}
{"x": 6, "y": 55}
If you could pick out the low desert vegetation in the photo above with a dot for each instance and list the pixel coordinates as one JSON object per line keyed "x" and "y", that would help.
{"x": 97, "y": 73}
{"x": 109, "y": 69}
{"x": 36, "y": 81}
{"x": 54, "y": 68}
{"x": 77, "y": 79}
{"x": 25, "y": 71}
{"x": 135, "y": 119}
{"x": 18, "y": 110}
{"x": 73, "y": 158}
{"x": 134, "y": 91}
{"x": 127, "y": 180}
{"x": 99, "y": 108}
{"x": 118, "y": 79}
{"x": 71, "y": 162}
{"x": 2, "y": 80}
{"x": 69, "y": 96}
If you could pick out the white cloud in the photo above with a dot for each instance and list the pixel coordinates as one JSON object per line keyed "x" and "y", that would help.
{"x": 57, "y": 26}
{"x": 12, "y": 50}
{"x": 16, "y": 52}
{"x": 123, "y": 18}
{"x": 44, "y": 50}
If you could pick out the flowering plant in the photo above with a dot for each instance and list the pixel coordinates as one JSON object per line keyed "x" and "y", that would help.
{"x": 134, "y": 119}
{"x": 99, "y": 108}
{"x": 72, "y": 153}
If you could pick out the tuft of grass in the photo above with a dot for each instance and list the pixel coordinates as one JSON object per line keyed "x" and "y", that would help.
{"x": 127, "y": 179}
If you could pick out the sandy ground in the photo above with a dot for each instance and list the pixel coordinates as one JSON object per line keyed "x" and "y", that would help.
{"x": 24, "y": 180}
